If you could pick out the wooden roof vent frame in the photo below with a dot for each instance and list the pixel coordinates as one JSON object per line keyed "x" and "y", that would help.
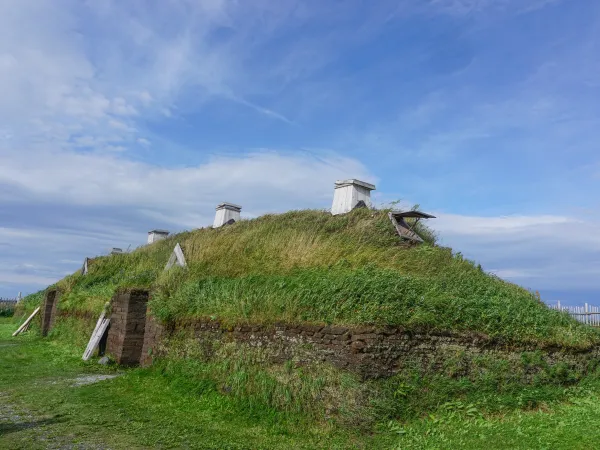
{"x": 406, "y": 231}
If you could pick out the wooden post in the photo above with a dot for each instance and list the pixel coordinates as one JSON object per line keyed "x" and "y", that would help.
{"x": 177, "y": 257}
{"x": 97, "y": 335}
{"x": 27, "y": 322}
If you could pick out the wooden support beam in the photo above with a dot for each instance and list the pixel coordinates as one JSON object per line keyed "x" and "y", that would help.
{"x": 97, "y": 334}
{"x": 27, "y": 322}
{"x": 176, "y": 258}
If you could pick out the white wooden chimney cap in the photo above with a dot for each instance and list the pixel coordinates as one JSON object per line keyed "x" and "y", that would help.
{"x": 158, "y": 232}
{"x": 354, "y": 182}
{"x": 231, "y": 206}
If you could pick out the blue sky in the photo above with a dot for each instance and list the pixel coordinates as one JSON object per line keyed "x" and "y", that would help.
{"x": 120, "y": 117}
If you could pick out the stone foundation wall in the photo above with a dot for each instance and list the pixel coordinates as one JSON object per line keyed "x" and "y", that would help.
{"x": 51, "y": 298}
{"x": 373, "y": 352}
{"x": 135, "y": 337}
{"x": 152, "y": 338}
{"x": 127, "y": 327}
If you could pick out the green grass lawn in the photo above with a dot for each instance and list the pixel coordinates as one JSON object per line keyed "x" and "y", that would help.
{"x": 139, "y": 409}
{"x": 145, "y": 408}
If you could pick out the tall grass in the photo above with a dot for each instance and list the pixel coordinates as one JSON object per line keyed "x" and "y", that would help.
{"x": 315, "y": 390}
{"x": 372, "y": 295}
{"x": 304, "y": 386}
{"x": 311, "y": 266}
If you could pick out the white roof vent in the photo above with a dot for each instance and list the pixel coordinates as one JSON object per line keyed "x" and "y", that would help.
{"x": 350, "y": 194}
{"x": 227, "y": 213}
{"x": 157, "y": 235}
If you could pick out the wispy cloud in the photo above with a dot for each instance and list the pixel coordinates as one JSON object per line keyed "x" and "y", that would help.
{"x": 91, "y": 179}
{"x": 265, "y": 111}
{"x": 470, "y": 7}
{"x": 87, "y": 203}
{"x": 116, "y": 117}
{"x": 541, "y": 252}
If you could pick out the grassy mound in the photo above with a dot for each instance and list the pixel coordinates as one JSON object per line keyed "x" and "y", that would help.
{"x": 309, "y": 266}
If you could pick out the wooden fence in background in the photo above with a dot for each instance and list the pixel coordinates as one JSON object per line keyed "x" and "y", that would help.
{"x": 7, "y": 306}
{"x": 587, "y": 314}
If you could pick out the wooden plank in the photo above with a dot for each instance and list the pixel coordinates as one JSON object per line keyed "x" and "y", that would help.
{"x": 587, "y": 318}
{"x": 180, "y": 258}
{"x": 403, "y": 230}
{"x": 27, "y": 322}
{"x": 101, "y": 332}
{"x": 84, "y": 267}
{"x": 412, "y": 214}
{"x": 176, "y": 258}
{"x": 98, "y": 323}
{"x": 95, "y": 339}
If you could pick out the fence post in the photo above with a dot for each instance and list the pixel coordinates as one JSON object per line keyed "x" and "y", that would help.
{"x": 586, "y": 314}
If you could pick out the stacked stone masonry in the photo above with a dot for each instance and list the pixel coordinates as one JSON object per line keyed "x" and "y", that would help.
{"x": 368, "y": 351}
{"x": 153, "y": 332}
{"x": 49, "y": 310}
{"x": 127, "y": 327}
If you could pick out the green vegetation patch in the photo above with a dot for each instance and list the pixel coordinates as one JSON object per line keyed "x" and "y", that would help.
{"x": 309, "y": 266}
{"x": 171, "y": 405}
{"x": 373, "y": 295}
{"x": 225, "y": 398}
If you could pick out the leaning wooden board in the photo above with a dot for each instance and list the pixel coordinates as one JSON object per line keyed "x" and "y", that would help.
{"x": 27, "y": 322}
{"x": 98, "y": 323}
{"x": 99, "y": 331}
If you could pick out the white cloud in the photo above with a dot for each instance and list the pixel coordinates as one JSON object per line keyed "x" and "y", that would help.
{"x": 541, "y": 252}
{"x": 114, "y": 148}
{"x": 84, "y": 204}
{"x": 514, "y": 274}
{"x": 121, "y": 107}
{"x": 11, "y": 278}
{"x": 470, "y": 7}
{"x": 90, "y": 75}
{"x": 262, "y": 180}
{"x": 473, "y": 225}
{"x": 79, "y": 83}
{"x": 121, "y": 126}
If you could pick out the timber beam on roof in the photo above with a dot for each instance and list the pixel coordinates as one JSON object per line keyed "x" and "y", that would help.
{"x": 176, "y": 258}
{"x": 405, "y": 230}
